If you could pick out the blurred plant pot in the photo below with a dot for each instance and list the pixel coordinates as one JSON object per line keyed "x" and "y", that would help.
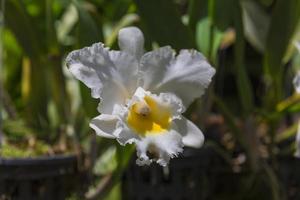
{"x": 289, "y": 174}
{"x": 203, "y": 175}
{"x": 184, "y": 179}
{"x": 38, "y": 178}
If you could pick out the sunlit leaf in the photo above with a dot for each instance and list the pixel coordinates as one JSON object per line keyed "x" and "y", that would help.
{"x": 106, "y": 163}
{"x": 66, "y": 24}
{"x": 203, "y": 38}
{"x": 292, "y": 46}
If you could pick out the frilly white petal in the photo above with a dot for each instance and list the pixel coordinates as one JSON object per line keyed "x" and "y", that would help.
{"x": 122, "y": 85}
{"x": 154, "y": 66}
{"x": 191, "y": 134}
{"x": 131, "y": 40}
{"x": 111, "y": 75}
{"x": 163, "y": 146}
{"x": 127, "y": 68}
{"x": 187, "y": 75}
{"x": 126, "y": 136}
{"x": 296, "y": 82}
{"x": 105, "y": 125}
{"x": 89, "y": 77}
{"x": 91, "y": 65}
{"x": 173, "y": 102}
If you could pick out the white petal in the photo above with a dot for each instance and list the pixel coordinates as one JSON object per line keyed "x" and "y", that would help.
{"x": 172, "y": 101}
{"x": 131, "y": 40}
{"x": 154, "y": 65}
{"x": 165, "y": 146}
{"x": 192, "y": 135}
{"x": 105, "y": 125}
{"x": 112, "y": 76}
{"x": 125, "y": 136}
{"x": 297, "y": 153}
{"x": 95, "y": 58}
{"x": 124, "y": 85}
{"x": 187, "y": 76}
{"x": 89, "y": 77}
{"x": 91, "y": 65}
{"x": 127, "y": 67}
{"x": 296, "y": 82}
{"x": 111, "y": 95}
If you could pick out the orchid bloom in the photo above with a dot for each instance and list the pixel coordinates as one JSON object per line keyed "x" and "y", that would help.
{"x": 142, "y": 96}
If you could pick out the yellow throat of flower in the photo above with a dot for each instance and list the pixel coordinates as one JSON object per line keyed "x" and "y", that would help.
{"x": 148, "y": 117}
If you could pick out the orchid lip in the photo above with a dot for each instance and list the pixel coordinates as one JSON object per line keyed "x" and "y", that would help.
{"x": 148, "y": 117}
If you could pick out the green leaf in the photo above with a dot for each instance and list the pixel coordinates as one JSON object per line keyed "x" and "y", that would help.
{"x": 284, "y": 21}
{"x": 266, "y": 2}
{"x": 256, "y": 24}
{"x": 36, "y": 98}
{"x": 123, "y": 155}
{"x": 65, "y": 25}
{"x": 88, "y": 30}
{"x": 34, "y": 78}
{"x": 18, "y": 20}
{"x": 285, "y": 18}
{"x": 223, "y": 15}
{"x": 58, "y": 87}
{"x": 289, "y": 105}
{"x": 243, "y": 83}
{"x": 89, "y": 104}
{"x": 126, "y": 20}
{"x": 287, "y": 133}
{"x": 107, "y": 162}
{"x": 219, "y": 11}
{"x": 164, "y": 24}
{"x": 292, "y": 46}
{"x": 203, "y": 38}
{"x": 197, "y": 10}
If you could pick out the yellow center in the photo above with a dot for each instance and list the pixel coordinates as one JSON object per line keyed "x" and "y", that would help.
{"x": 148, "y": 117}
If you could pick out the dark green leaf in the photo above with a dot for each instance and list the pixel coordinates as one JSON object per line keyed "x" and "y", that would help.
{"x": 243, "y": 83}
{"x": 19, "y": 22}
{"x": 88, "y": 29}
{"x": 163, "y": 22}
{"x": 285, "y": 18}
{"x": 203, "y": 38}
{"x": 256, "y": 24}
{"x": 284, "y": 21}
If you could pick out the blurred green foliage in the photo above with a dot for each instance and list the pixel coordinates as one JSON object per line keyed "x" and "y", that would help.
{"x": 249, "y": 42}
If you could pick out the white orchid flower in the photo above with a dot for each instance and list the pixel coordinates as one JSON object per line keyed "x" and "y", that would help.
{"x": 142, "y": 95}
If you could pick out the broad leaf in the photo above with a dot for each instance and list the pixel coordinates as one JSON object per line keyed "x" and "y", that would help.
{"x": 163, "y": 22}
